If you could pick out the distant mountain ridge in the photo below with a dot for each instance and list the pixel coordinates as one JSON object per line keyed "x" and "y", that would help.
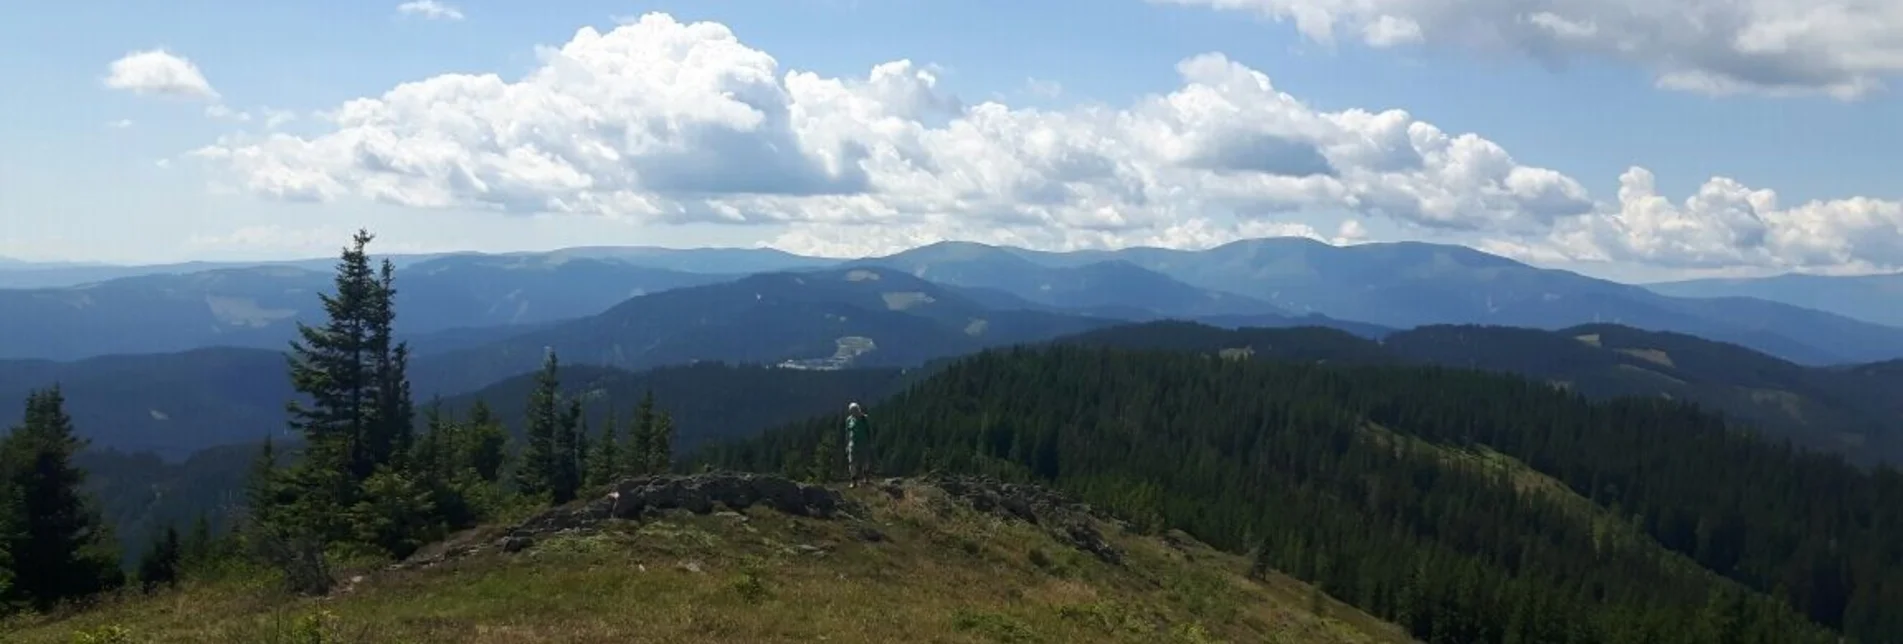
{"x": 1853, "y": 411}
{"x": 1115, "y": 287}
{"x": 1872, "y": 298}
{"x": 1263, "y": 282}
{"x": 854, "y": 316}
{"x": 19, "y": 274}
{"x": 1409, "y": 284}
{"x": 259, "y": 306}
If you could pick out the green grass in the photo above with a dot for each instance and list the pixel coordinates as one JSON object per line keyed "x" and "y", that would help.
{"x": 941, "y": 573}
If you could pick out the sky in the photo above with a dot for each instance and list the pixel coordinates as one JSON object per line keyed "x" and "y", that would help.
{"x": 1629, "y": 139}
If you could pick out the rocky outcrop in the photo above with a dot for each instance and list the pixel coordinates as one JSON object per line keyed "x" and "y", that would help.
{"x": 1067, "y": 520}
{"x": 638, "y": 498}
{"x": 642, "y": 497}
{"x": 645, "y": 497}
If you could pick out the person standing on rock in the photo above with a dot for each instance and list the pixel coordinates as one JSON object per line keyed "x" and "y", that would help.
{"x": 858, "y": 445}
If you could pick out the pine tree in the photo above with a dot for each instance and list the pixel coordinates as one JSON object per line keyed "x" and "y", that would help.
{"x": 60, "y": 547}
{"x": 661, "y": 445}
{"x": 1264, "y": 560}
{"x": 397, "y": 513}
{"x": 392, "y": 427}
{"x": 160, "y": 564}
{"x": 12, "y": 530}
{"x": 353, "y": 372}
{"x": 262, "y": 487}
{"x": 535, "y": 477}
{"x": 604, "y": 461}
{"x": 432, "y": 455}
{"x": 488, "y": 444}
{"x": 641, "y": 436}
{"x": 824, "y": 458}
{"x": 570, "y": 448}
{"x": 200, "y": 547}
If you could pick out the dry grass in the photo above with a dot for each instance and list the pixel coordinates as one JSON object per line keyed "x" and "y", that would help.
{"x": 940, "y": 574}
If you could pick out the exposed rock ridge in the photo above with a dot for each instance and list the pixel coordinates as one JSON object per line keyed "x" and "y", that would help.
{"x": 644, "y": 497}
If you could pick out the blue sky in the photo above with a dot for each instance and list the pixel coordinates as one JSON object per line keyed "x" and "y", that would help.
{"x": 89, "y": 171}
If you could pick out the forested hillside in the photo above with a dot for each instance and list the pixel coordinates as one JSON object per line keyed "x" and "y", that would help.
{"x": 1856, "y": 412}
{"x": 1469, "y": 507}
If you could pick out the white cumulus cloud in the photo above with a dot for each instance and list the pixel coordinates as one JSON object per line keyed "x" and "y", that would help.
{"x": 430, "y": 9}
{"x": 1843, "y": 48}
{"x": 671, "y": 122}
{"x": 1728, "y": 224}
{"x": 158, "y": 72}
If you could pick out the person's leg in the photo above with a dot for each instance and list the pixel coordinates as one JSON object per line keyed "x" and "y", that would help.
{"x": 852, "y": 465}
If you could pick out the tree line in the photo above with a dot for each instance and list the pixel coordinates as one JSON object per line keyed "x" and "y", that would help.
{"x": 1464, "y": 506}
{"x": 363, "y": 481}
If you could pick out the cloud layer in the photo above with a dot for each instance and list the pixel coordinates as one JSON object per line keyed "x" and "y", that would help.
{"x": 672, "y": 122}
{"x": 158, "y": 72}
{"x": 1843, "y": 48}
{"x": 430, "y": 9}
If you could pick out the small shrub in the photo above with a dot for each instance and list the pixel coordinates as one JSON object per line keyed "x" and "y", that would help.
{"x": 1191, "y": 633}
{"x": 108, "y": 634}
{"x": 1105, "y": 615}
{"x": 996, "y": 626}
{"x": 751, "y": 584}
{"x": 1041, "y": 559}
{"x": 320, "y": 627}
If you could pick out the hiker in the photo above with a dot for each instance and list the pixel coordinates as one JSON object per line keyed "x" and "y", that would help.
{"x": 858, "y": 445}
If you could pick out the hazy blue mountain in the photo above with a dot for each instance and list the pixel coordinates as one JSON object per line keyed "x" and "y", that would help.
{"x": 20, "y": 274}
{"x": 176, "y": 403}
{"x": 856, "y": 316}
{"x": 35, "y": 275}
{"x": 258, "y": 306}
{"x": 1117, "y": 287}
{"x": 1263, "y": 282}
{"x": 1404, "y": 285}
{"x": 172, "y": 404}
{"x": 1872, "y": 298}
{"x": 697, "y": 260}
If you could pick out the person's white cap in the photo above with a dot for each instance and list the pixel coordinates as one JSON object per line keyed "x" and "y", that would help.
{"x": 852, "y": 406}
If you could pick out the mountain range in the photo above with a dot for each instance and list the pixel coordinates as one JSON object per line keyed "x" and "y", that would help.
{"x": 18, "y": 274}
{"x": 176, "y": 362}
{"x": 470, "y": 299}
{"x": 1202, "y": 416}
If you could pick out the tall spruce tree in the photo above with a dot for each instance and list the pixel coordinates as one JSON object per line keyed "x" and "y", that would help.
{"x": 488, "y": 443}
{"x": 60, "y": 547}
{"x": 570, "y": 450}
{"x": 604, "y": 460}
{"x": 536, "y": 475}
{"x": 200, "y": 546}
{"x": 160, "y": 564}
{"x": 661, "y": 445}
{"x": 360, "y": 412}
{"x": 640, "y": 437}
{"x": 12, "y": 530}
{"x": 392, "y": 422}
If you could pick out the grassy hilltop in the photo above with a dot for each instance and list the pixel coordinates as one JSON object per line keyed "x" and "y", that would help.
{"x": 902, "y": 561}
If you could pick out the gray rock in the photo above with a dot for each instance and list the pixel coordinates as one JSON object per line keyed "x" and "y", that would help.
{"x": 647, "y": 496}
{"x": 1068, "y": 521}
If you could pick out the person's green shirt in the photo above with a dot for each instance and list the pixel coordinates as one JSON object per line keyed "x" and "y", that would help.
{"x": 859, "y": 428}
